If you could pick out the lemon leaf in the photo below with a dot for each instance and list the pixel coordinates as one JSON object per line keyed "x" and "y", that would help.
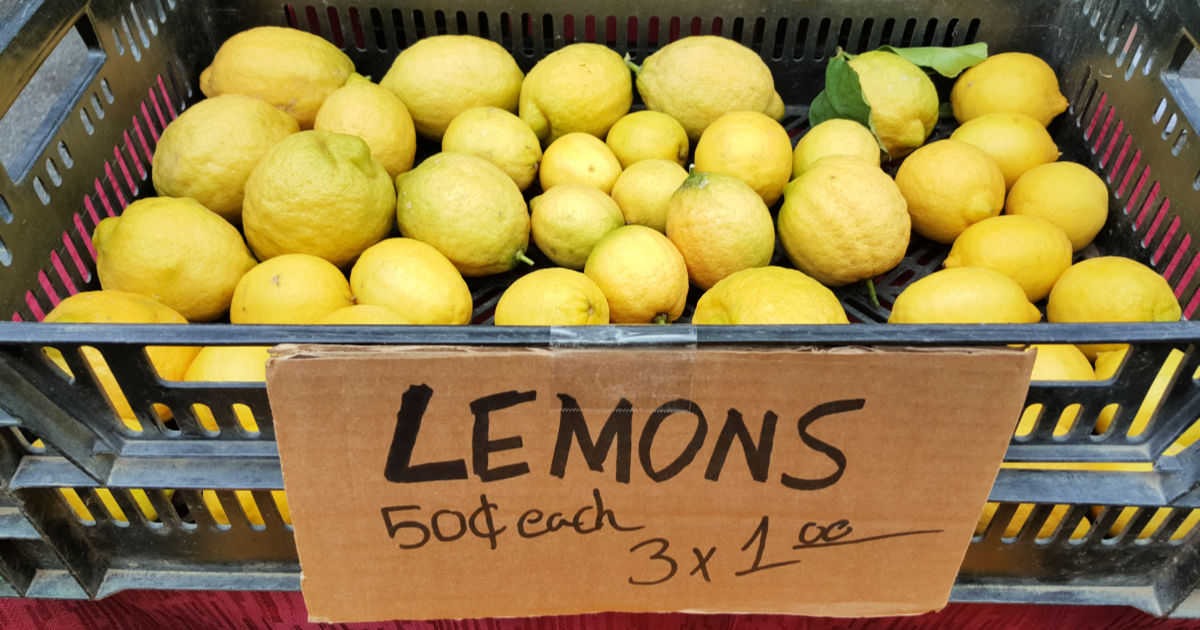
{"x": 842, "y": 97}
{"x": 820, "y": 110}
{"x": 946, "y": 61}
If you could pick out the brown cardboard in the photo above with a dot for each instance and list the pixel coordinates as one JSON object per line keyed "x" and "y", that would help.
{"x": 921, "y": 433}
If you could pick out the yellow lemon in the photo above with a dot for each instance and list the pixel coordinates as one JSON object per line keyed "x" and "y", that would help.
{"x": 1111, "y": 289}
{"x": 1056, "y": 362}
{"x": 579, "y": 158}
{"x": 468, "y": 209}
{"x": 903, "y": 100}
{"x": 318, "y": 193}
{"x": 286, "y": 67}
{"x": 498, "y": 137}
{"x": 768, "y": 295}
{"x": 442, "y": 76}
{"x": 844, "y": 220}
{"x": 375, "y": 114}
{"x": 697, "y": 79}
{"x": 720, "y": 225}
{"x": 837, "y": 136}
{"x": 1066, "y": 194}
{"x": 552, "y": 297}
{"x": 751, "y": 147}
{"x": 568, "y": 220}
{"x": 965, "y": 295}
{"x": 412, "y": 279}
{"x": 289, "y": 289}
{"x": 244, "y": 364}
{"x": 1014, "y": 140}
{"x": 950, "y": 185}
{"x": 578, "y": 88}
{"x": 175, "y": 251}
{"x": 648, "y": 135}
{"x": 209, "y": 150}
{"x": 364, "y": 315}
{"x": 1017, "y": 523}
{"x": 642, "y": 275}
{"x": 248, "y": 505}
{"x": 1030, "y": 250}
{"x": 1107, "y": 364}
{"x": 644, "y": 189}
{"x": 1008, "y": 82}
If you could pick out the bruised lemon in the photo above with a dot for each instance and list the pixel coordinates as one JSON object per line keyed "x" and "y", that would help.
{"x": 579, "y": 158}
{"x": 290, "y": 289}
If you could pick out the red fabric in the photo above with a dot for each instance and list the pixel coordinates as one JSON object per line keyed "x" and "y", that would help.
{"x": 183, "y": 610}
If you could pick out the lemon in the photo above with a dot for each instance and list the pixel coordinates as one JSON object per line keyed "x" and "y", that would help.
{"x": 769, "y": 295}
{"x": 964, "y": 295}
{"x": 836, "y": 136}
{"x": 375, "y": 114}
{"x": 579, "y": 158}
{"x": 209, "y": 150}
{"x": 568, "y": 220}
{"x": 1030, "y": 250}
{"x": 643, "y": 190}
{"x": 1015, "y": 141}
{"x": 720, "y": 225}
{"x": 175, "y": 251}
{"x": 318, "y": 193}
{"x": 844, "y": 220}
{"x": 290, "y": 289}
{"x": 1017, "y": 522}
{"x": 1111, "y": 289}
{"x": 468, "y": 209}
{"x": 440, "y": 77}
{"x": 950, "y": 185}
{"x": 577, "y": 88}
{"x": 364, "y": 315}
{"x": 1107, "y": 364}
{"x": 498, "y": 137}
{"x": 243, "y": 364}
{"x": 751, "y": 147}
{"x": 1056, "y": 362}
{"x": 641, "y": 274}
{"x": 286, "y": 67}
{"x": 412, "y": 279}
{"x": 1067, "y": 194}
{"x": 697, "y": 79}
{"x": 552, "y": 297}
{"x": 1008, "y": 82}
{"x": 648, "y": 135}
{"x": 903, "y": 100}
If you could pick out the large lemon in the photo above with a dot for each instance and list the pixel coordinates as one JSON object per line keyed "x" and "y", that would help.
{"x": 720, "y": 225}
{"x": 1008, "y": 82}
{"x": 209, "y": 150}
{"x": 579, "y": 158}
{"x": 414, "y": 280}
{"x": 903, "y": 100}
{"x": 1030, "y": 250}
{"x": 836, "y": 136}
{"x": 1015, "y": 141}
{"x": 844, "y": 220}
{"x": 1056, "y": 362}
{"x": 965, "y": 295}
{"x": 442, "y": 76}
{"x": 648, "y": 135}
{"x": 751, "y": 147}
{"x": 375, "y": 114}
{"x": 243, "y": 364}
{"x": 290, "y": 289}
{"x": 364, "y": 315}
{"x": 499, "y": 137}
{"x": 468, "y": 209}
{"x": 1111, "y": 289}
{"x": 642, "y": 275}
{"x": 1066, "y": 194}
{"x": 175, "y": 251}
{"x": 318, "y": 193}
{"x": 644, "y": 189}
{"x": 578, "y": 88}
{"x": 552, "y": 297}
{"x": 286, "y": 67}
{"x": 568, "y": 220}
{"x": 950, "y": 185}
{"x": 769, "y": 295}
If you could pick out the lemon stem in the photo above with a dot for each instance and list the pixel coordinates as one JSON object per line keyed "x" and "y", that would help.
{"x": 871, "y": 292}
{"x": 632, "y": 66}
{"x": 660, "y": 319}
{"x": 521, "y": 257}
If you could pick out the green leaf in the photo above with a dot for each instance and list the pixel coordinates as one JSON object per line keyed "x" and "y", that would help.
{"x": 946, "y": 61}
{"x": 845, "y": 92}
{"x": 820, "y": 110}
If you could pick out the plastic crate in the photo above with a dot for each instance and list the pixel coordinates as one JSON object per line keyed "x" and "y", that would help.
{"x": 87, "y": 156}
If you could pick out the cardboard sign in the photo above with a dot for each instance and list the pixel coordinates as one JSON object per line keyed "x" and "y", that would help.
{"x": 469, "y": 482}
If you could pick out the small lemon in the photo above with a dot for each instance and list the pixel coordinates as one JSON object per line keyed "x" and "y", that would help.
{"x": 578, "y": 88}
{"x": 286, "y": 67}
{"x": 412, "y": 279}
{"x": 648, "y": 135}
{"x": 720, "y": 225}
{"x": 568, "y": 220}
{"x": 644, "y": 189}
{"x": 1028, "y": 249}
{"x": 175, "y": 251}
{"x": 290, "y": 289}
{"x": 364, "y": 315}
{"x": 579, "y": 158}
{"x": 498, "y": 137}
{"x": 375, "y": 114}
{"x": 642, "y": 275}
{"x": 209, "y": 150}
{"x": 769, "y": 295}
{"x": 1111, "y": 289}
{"x": 1015, "y": 141}
{"x": 751, "y": 147}
{"x": 318, "y": 193}
{"x": 950, "y": 185}
{"x": 1066, "y": 194}
{"x": 468, "y": 209}
{"x": 964, "y": 295}
{"x": 836, "y": 136}
{"x": 242, "y": 364}
{"x": 442, "y": 76}
{"x": 903, "y": 100}
{"x": 1008, "y": 82}
{"x": 1056, "y": 362}
{"x": 844, "y": 220}
{"x": 552, "y": 297}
